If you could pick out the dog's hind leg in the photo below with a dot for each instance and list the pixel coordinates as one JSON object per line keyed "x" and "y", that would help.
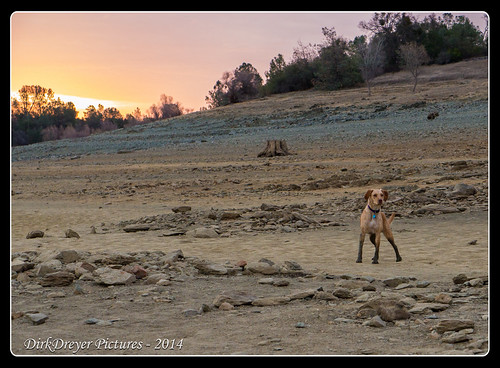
{"x": 390, "y": 237}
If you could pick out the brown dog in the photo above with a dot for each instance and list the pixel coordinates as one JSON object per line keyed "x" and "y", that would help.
{"x": 374, "y": 222}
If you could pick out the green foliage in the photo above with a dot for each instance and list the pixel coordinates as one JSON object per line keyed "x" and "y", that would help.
{"x": 338, "y": 63}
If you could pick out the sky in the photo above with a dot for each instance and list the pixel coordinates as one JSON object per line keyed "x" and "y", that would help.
{"x": 127, "y": 60}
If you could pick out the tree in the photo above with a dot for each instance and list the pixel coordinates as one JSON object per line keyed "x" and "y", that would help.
{"x": 383, "y": 25}
{"x": 165, "y": 109}
{"x": 35, "y": 110}
{"x": 412, "y": 57}
{"x": 93, "y": 117}
{"x": 34, "y": 100}
{"x": 336, "y": 65}
{"x": 276, "y": 67}
{"x": 243, "y": 84}
{"x": 370, "y": 58}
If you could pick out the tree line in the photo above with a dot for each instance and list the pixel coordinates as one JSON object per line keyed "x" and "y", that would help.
{"x": 395, "y": 41}
{"x": 38, "y": 116}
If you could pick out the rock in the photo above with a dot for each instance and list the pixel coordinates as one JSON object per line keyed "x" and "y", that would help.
{"x": 174, "y": 256}
{"x": 56, "y": 294}
{"x": 388, "y": 309}
{"x": 139, "y": 272}
{"x": 98, "y": 322}
{"x": 241, "y": 264}
{"x": 234, "y": 298}
{"x": 460, "y": 278}
{"x": 110, "y": 276}
{"x": 181, "y": 209}
{"x": 65, "y": 256}
{"x": 453, "y": 325}
{"x": 163, "y": 282}
{"x": 342, "y": 293}
{"x": 205, "y": 308}
{"x": 263, "y": 267}
{"x": 155, "y": 278}
{"x": 71, "y": 234}
{"x": 422, "y": 284}
{"x": 46, "y": 267}
{"x": 269, "y": 207}
{"x": 36, "y": 318}
{"x": 35, "y": 234}
{"x": 270, "y": 301}
{"x": 292, "y": 268}
{"x": 324, "y": 295}
{"x": 118, "y": 258}
{"x": 435, "y": 208}
{"x": 266, "y": 281}
{"x": 191, "y": 312}
{"x": 205, "y": 233}
{"x": 59, "y": 278}
{"x": 175, "y": 233}
{"x": 225, "y": 306}
{"x": 229, "y": 215}
{"x": 474, "y": 282}
{"x": 395, "y": 281}
{"x": 132, "y": 228}
{"x": 209, "y": 268}
{"x": 83, "y": 267}
{"x": 281, "y": 282}
{"x": 443, "y": 298}
{"x": 303, "y": 294}
{"x": 432, "y": 115}
{"x": 456, "y": 337}
{"x": 21, "y": 265}
{"x": 422, "y": 308}
{"x": 375, "y": 321}
{"x": 461, "y": 190}
{"x": 68, "y": 256}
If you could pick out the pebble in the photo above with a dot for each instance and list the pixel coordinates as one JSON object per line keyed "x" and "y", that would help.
{"x": 69, "y": 233}
{"x": 37, "y": 318}
{"x": 35, "y": 234}
{"x": 375, "y": 321}
{"x": 110, "y": 276}
{"x": 190, "y": 312}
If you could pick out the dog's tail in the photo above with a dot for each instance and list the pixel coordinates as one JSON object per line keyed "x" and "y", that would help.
{"x": 391, "y": 218}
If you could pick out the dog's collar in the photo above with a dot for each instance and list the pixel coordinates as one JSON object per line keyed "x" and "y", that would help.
{"x": 374, "y": 211}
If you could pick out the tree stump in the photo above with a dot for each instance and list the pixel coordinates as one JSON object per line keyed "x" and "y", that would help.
{"x": 275, "y": 148}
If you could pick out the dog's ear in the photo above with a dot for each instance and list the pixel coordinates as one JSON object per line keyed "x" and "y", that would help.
{"x": 368, "y": 194}
{"x": 386, "y": 194}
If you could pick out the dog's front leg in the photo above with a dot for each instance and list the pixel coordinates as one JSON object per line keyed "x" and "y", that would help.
{"x": 377, "y": 246}
{"x": 360, "y": 249}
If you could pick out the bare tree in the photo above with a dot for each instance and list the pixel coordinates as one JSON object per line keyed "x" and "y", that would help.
{"x": 412, "y": 57}
{"x": 371, "y": 58}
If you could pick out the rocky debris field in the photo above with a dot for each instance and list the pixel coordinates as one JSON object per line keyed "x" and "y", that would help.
{"x": 409, "y": 201}
{"x": 184, "y": 292}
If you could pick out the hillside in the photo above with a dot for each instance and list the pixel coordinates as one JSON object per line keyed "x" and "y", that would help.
{"x": 268, "y": 117}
